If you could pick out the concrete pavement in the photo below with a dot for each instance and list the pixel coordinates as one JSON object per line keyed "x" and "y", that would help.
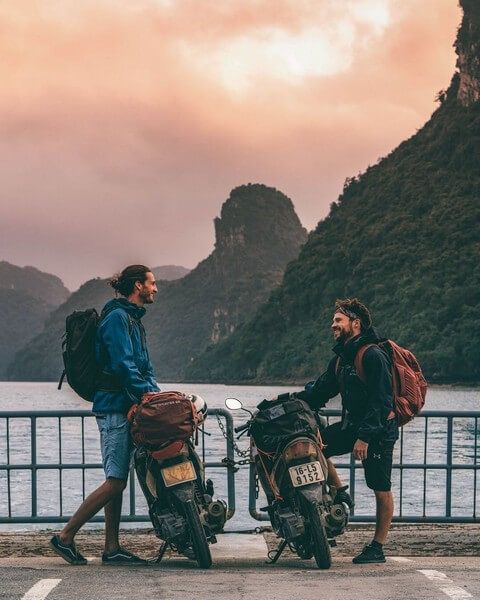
{"x": 239, "y": 572}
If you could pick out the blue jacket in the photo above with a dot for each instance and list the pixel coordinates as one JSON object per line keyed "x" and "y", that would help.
{"x": 121, "y": 351}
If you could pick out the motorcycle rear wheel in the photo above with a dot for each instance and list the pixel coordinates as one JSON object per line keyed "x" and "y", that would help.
{"x": 197, "y": 533}
{"x": 318, "y": 535}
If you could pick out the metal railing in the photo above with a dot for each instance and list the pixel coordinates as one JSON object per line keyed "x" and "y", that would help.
{"x": 439, "y": 451}
{"x": 29, "y": 461}
{"x": 454, "y": 442}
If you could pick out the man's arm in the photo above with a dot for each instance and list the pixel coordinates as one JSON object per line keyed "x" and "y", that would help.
{"x": 317, "y": 394}
{"x": 378, "y": 377}
{"x": 150, "y": 374}
{"x": 115, "y": 335}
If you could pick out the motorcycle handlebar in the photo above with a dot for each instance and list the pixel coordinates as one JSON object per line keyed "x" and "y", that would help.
{"x": 242, "y": 427}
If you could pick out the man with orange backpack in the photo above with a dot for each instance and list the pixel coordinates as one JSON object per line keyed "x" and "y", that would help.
{"x": 368, "y": 372}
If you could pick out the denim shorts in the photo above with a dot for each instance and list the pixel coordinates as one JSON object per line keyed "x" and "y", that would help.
{"x": 116, "y": 444}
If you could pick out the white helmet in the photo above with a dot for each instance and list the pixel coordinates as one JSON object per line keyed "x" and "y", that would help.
{"x": 200, "y": 405}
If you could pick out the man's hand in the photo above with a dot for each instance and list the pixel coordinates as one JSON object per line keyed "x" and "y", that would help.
{"x": 360, "y": 450}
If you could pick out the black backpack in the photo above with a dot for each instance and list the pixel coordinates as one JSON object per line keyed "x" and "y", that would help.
{"x": 279, "y": 421}
{"x": 78, "y": 351}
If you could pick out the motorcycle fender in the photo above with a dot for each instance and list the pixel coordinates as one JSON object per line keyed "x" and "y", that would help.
{"x": 312, "y": 493}
{"x": 183, "y": 492}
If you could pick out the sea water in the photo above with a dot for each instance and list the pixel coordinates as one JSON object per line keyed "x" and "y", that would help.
{"x": 53, "y": 498}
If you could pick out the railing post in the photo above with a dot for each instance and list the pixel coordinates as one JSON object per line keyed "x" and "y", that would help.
{"x": 132, "y": 491}
{"x": 9, "y": 486}
{"x": 252, "y": 496}
{"x": 230, "y": 458}
{"x": 400, "y": 503}
{"x": 352, "y": 482}
{"x": 448, "y": 487}
{"x": 475, "y": 471}
{"x": 33, "y": 450}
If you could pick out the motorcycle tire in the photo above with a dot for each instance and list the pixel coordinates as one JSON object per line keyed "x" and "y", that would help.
{"x": 304, "y": 552}
{"x": 197, "y": 533}
{"x": 318, "y": 535}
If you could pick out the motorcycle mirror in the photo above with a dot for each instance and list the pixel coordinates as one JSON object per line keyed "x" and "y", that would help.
{"x": 233, "y": 404}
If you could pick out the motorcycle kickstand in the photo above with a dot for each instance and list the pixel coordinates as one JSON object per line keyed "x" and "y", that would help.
{"x": 278, "y": 553}
{"x": 161, "y": 552}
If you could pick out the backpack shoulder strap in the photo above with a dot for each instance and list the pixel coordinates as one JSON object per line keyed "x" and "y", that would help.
{"x": 130, "y": 324}
{"x": 337, "y": 366}
{"x": 359, "y": 362}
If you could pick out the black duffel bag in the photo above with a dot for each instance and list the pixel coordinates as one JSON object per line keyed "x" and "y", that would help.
{"x": 278, "y": 421}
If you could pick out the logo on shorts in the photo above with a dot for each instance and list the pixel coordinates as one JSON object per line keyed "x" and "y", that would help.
{"x": 377, "y": 456}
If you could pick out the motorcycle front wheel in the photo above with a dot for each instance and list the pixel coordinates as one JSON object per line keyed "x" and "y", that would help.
{"x": 318, "y": 536}
{"x": 197, "y": 533}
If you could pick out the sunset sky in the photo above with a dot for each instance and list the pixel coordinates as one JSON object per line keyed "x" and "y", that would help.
{"x": 124, "y": 125}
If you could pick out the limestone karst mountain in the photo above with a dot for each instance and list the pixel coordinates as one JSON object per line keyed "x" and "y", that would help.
{"x": 404, "y": 237}
{"x": 257, "y": 234}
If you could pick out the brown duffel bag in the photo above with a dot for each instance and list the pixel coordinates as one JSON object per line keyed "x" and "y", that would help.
{"x": 162, "y": 417}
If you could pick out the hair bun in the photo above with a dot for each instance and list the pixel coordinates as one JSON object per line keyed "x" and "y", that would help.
{"x": 114, "y": 282}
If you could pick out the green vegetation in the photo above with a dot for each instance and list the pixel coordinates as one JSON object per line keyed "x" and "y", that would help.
{"x": 404, "y": 237}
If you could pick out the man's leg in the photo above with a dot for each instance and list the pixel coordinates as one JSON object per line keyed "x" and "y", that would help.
{"x": 333, "y": 476}
{"x": 113, "y": 512}
{"x": 337, "y": 441}
{"x": 384, "y": 502}
{"x": 90, "y": 507}
{"x": 378, "y": 469}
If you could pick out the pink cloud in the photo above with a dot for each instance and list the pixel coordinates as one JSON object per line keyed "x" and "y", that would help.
{"x": 102, "y": 111}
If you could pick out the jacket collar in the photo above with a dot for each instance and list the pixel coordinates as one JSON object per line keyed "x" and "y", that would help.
{"x": 135, "y": 311}
{"x": 348, "y": 350}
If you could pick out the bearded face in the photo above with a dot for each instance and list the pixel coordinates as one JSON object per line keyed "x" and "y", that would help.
{"x": 148, "y": 290}
{"x": 343, "y": 327}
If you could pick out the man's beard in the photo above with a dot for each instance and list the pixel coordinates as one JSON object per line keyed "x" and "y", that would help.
{"x": 147, "y": 298}
{"x": 343, "y": 336}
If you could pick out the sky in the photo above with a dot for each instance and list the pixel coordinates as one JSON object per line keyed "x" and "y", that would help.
{"x": 124, "y": 125}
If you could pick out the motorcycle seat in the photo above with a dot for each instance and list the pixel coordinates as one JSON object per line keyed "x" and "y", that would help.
{"x": 171, "y": 450}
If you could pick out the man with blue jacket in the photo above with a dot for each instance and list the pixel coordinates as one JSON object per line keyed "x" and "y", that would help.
{"x": 127, "y": 374}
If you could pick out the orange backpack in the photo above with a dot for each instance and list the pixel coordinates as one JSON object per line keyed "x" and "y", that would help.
{"x": 409, "y": 384}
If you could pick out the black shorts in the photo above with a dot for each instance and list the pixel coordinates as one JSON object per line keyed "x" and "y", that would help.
{"x": 377, "y": 465}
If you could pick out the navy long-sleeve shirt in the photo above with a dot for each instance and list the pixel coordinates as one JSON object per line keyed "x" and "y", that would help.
{"x": 367, "y": 406}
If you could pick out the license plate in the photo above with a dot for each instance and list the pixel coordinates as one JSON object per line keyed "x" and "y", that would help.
{"x": 305, "y": 474}
{"x": 178, "y": 473}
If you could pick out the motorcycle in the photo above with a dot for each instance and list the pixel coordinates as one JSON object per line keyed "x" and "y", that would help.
{"x": 293, "y": 474}
{"x": 181, "y": 506}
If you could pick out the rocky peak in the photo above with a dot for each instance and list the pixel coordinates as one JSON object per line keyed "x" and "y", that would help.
{"x": 467, "y": 46}
{"x": 239, "y": 223}
{"x": 257, "y": 234}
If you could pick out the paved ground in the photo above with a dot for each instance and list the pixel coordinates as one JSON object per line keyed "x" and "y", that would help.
{"x": 403, "y": 540}
{"x": 239, "y": 572}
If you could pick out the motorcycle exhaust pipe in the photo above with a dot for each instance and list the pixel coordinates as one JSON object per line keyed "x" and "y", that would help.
{"x": 337, "y": 513}
{"x": 217, "y": 513}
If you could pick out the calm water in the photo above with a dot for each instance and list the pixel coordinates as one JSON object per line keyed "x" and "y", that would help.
{"x": 44, "y": 396}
